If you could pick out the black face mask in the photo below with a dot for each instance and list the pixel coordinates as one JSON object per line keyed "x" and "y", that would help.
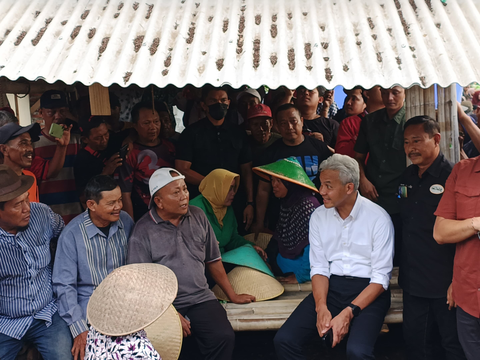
{"x": 218, "y": 111}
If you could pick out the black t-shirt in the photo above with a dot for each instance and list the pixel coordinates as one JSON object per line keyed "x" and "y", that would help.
{"x": 327, "y": 127}
{"x": 310, "y": 154}
{"x": 426, "y": 268}
{"x": 105, "y": 230}
{"x": 210, "y": 147}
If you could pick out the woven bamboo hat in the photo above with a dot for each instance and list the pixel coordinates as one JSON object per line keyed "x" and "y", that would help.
{"x": 166, "y": 334}
{"x": 246, "y": 255}
{"x": 130, "y": 298}
{"x": 288, "y": 169}
{"x": 245, "y": 280}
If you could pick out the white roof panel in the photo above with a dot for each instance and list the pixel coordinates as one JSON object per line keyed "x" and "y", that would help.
{"x": 237, "y": 42}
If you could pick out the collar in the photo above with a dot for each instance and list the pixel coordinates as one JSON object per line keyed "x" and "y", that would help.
{"x": 92, "y": 152}
{"x": 398, "y": 117}
{"x": 93, "y": 230}
{"x": 436, "y": 166}
{"x": 209, "y": 124}
{"x": 158, "y": 220}
{"x": 355, "y": 210}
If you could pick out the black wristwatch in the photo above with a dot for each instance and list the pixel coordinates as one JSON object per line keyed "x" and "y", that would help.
{"x": 250, "y": 203}
{"x": 355, "y": 309}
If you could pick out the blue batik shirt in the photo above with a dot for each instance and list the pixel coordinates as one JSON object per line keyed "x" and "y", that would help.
{"x": 26, "y": 274}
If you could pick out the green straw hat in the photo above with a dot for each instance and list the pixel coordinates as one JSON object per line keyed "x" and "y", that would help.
{"x": 288, "y": 169}
{"x": 246, "y": 255}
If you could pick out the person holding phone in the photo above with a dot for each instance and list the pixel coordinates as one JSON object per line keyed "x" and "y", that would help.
{"x": 54, "y": 156}
{"x": 95, "y": 158}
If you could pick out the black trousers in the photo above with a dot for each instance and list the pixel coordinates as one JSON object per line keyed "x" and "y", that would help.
{"x": 469, "y": 334}
{"x": 211, "y": 330}
{"x": 397, "y": 226}
{"x": 301, "y": 326}
{"x": 420, "y": 315}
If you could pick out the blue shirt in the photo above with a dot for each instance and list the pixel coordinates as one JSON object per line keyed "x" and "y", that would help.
{"x": 85, "y": 256}
{"x": 26, "y": 274}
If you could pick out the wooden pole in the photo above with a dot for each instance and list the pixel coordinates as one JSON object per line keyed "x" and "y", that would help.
{"x": 99, "y": 100}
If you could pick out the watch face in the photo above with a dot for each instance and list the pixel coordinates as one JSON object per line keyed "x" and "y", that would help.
{"x": 355, "y": 310}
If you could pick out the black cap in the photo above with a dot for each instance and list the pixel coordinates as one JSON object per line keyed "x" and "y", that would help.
{"x": 12, "y": 130}
{"x": 53, "y": 99}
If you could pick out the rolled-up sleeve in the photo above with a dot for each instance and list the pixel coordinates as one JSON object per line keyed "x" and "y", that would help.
{"x": 64, "y": 280}
{"x": 382, "y": 253}
{"x": 318, "y": 261}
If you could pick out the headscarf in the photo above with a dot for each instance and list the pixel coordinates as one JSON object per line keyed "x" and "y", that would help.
{"x": 214, "y": 187}
{"x": 292, "y": 228}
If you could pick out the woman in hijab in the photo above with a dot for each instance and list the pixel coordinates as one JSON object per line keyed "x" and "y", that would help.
{"x": 217, "y": 191}
{"x": 288, "y": 251}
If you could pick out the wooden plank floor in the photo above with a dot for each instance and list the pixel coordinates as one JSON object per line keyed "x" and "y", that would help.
{"x": 271, "y": 314}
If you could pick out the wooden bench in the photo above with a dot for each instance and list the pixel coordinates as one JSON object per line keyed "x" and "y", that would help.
{"x": 271, "y": 314}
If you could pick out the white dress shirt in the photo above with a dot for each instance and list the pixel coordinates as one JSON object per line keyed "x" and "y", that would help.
{"x": 362, "y": 245}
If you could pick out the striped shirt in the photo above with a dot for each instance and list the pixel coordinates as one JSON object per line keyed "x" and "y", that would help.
{"x": 58, "y": 192}
{"x": 25, "y": 272}
{"x": 85, "y": 256}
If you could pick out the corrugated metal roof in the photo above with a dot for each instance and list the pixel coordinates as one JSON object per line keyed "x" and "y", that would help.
{"x": 254, "y": 42}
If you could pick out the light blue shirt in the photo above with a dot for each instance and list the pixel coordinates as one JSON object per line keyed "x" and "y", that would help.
{"x": 26, "y": 274}
{"x": 85, "y": 256}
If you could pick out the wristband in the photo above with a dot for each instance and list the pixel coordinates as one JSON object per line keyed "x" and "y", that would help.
{"x": 250, "y": 203}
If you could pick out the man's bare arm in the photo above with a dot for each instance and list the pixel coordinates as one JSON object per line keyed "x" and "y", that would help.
{"x": 448, "y": 231}
{"x": 191, "y": 177}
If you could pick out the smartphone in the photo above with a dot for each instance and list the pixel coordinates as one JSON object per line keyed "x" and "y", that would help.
{"x": 123, "y": 152}
{"x": 56, "y": 131}
{"x": 328, "y": 338}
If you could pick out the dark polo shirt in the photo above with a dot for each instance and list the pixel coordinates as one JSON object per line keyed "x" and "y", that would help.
{"x": 382, "y": 139}
{"x": 426, "y": 267}
{"x": 184, "y": 249}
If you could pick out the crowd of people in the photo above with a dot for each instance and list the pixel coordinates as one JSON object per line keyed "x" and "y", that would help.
{"x": 86, "y": 195}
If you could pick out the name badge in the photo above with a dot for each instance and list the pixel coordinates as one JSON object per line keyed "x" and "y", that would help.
{"x": 437, "y": 189}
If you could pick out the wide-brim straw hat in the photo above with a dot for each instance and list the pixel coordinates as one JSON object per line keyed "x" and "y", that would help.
{"x": 166, "y": 334}
{"x": 246, "y": 255}
{"x": 245, "y": 280}
{"x": 288, "y": 169}
{"x": 130, "y": 298}
{"x": 263, "y": 239}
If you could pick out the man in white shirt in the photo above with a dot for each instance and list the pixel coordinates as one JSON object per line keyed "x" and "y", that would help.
{"x": 351, "y": 260}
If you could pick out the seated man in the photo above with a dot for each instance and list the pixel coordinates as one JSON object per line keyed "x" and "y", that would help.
{"x": 180, "y": 237}
{"x": 351, "y": 260}
{"x": 28, "y": 310}
{"x": 17, "y": 150}
{"x": 91, "y": 246}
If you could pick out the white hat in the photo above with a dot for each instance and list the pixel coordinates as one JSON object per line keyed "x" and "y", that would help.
{"x": 160, "y": 178}
{"x": 249, "y": 91}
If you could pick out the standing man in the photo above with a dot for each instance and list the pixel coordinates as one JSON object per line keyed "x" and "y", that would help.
{"x": 260, "y": 124}
{"x": 91, "y": 246}
{"x": 458, "y": 222}
{"x": 17, "y": 150}
{"x": 309, "y": 152}
{"x": 212, "y": 143}
{"x": 247, "y": 99}
{"x": 321, "y": 127}
{"x": 381, "y": 136}
{"x": 28, "y": 308}
{"x": 54, "y": 158}
{"x": 180, "y": 237}
{"x": 351, "y": 251}
{"x": 426, "y": 268}
{"x": 150, "y": 152}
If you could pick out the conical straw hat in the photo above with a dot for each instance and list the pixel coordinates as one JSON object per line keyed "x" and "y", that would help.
{"x": 166, "y": 334}
{"x": 288, "y": 169}
{"x": 245, "y": 280}
{"x": 262, "y": 240}
{"x": 130, "y": 298}
{"x": 246, "y": 255}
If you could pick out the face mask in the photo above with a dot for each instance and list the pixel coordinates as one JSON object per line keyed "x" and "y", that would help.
{"x": 218, "y": 111}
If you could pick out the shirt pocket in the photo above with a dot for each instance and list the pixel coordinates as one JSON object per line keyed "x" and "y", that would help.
{"x": 467, "y": 201}
{"x": 361, "y": 247}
